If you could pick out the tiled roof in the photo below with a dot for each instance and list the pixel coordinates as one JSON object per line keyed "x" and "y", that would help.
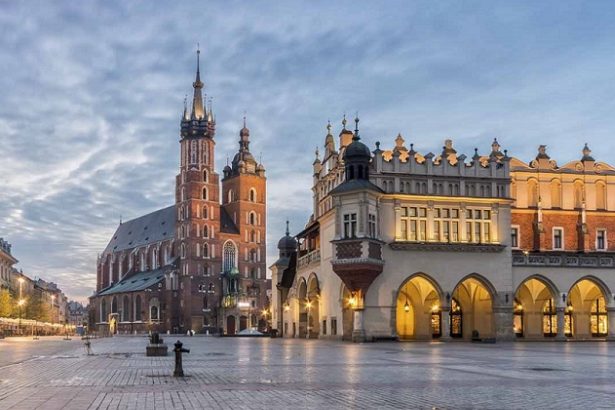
{"x": 138, "y": 281}
{"x": 154, "y": 227}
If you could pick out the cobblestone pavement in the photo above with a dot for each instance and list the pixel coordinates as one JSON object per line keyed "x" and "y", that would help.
{"x": 234, "y": 373}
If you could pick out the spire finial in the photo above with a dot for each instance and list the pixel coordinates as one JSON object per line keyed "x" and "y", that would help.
{"x": 287, "y": 228}
{"x": 244, "y": 119}
{"x": 328, "y": 127}
{"x": 356, "y": 128}
{"x": 317, "y": 153}
{"x": 344, "y": 122}
{"x": 198, "y": 112}
{"x": 120, "y": 219}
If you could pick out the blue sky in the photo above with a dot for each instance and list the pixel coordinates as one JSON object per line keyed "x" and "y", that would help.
{"x": 92, "y": 94}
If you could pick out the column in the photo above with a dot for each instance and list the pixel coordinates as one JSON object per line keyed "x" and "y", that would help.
{"x": 611, "y": 325}
{"x": 561, "y": 323}
{"x": 358, "y": 332}
{"x": 445, "y": 325}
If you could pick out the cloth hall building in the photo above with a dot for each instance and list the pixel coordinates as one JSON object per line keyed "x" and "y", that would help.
{"x": 406, "y": 245}
{"x": 198, "y": 265}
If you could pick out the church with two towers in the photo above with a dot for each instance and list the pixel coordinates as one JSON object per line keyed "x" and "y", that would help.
{"x": 198, "y": 265}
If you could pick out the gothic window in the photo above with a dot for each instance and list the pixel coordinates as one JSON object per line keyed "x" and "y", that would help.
{"x": 205, "y": 251}
{"x": 183, "y": 251}
{"x": 205, "y": 231}
{"x": 125, "y": 309}
{"x": 138, "y": 313}
{"x": 114, "y": 305}
{"x": 252, "y": 218}
{"x": 205, "y": 213}
{"x": 205, "y": 176}
{"x": 205, "y": 193}
{"x": 183, "y": 195}
{"x": 153, "y": 313}
{"x": 230, "y": 256}
{"x": 252, "y": 195}
{"x": 155, "y": 258}
{"x": 205, "y": 156}
{"x": 193, "y": 152}
{"x": 103, "y": 310}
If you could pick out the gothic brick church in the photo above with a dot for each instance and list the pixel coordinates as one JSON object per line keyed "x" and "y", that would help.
{"x": 199, "y": 264}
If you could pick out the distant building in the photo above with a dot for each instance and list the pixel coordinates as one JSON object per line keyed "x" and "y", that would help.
{"x": 6, "y": 264}
{"x": 422, "y": 246}
{"x": 199, "y": 264}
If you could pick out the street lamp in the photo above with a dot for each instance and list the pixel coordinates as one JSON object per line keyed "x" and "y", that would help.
{"x": 308, "y": 305}
{"x": 20, "y": 303}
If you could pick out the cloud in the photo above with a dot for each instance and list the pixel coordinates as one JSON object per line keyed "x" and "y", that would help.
{"x": 92, "y": 96}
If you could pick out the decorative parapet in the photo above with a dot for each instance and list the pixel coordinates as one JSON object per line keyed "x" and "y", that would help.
{"x": 562, "y": 259}
{"x": 446, "y": 247}
{"x": 308, "y": 259}
{"x": 358, "y": 251}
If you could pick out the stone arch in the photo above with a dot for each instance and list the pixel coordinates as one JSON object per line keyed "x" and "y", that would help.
{"x": 302, "y": 293}
{"x": 313, "y": 306}
{"x": 534, "y": 309}
{"x": 474, "y": 297}
{"x": 587, "y": 302}
{"x": 419, "y": 308}
{"x": 347, "y": 312}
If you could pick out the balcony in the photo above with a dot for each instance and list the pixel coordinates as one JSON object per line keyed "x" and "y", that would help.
{"x": 358, "y": 262}
{"x": 308, "y": 259}
{"x": 564, "y": 259}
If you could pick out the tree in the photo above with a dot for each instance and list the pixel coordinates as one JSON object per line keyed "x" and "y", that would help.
{"x": 38, "y": 308}
{"x": 6, "y": 303}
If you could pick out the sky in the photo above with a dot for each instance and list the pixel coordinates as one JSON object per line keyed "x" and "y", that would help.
{"x": 92, "y": 94}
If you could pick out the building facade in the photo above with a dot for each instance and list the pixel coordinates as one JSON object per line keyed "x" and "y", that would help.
{"x": 7, "y": 260}
{"x": 409, "y": 246}
{"x": 198, "y": 265}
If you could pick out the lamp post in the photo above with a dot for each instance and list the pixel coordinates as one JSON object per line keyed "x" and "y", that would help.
{"x": 20, "y": 303}
{"x": 52, "y": 316}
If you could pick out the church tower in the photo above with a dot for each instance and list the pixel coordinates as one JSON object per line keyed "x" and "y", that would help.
{"x": 244, "y": 205}
{"x": 198, "y": 215}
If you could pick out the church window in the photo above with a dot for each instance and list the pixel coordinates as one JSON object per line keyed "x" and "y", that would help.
{"x": 252, "y": 195}
{"x": 350, "y": 225}
{"x": 205, "y": 231}
{"x": 230, "y": 256}
{"x": 205, "y": 193}
{"x": 205, "y": 156}
{"x": 154, "y": 313}
{"x": 252, "y": 218}
{"x": 205, "y": 213}
{"x": 183, "y": 250}
{"x": 205, "y": 251}
{"x": 155, "y": 258}
{"x": 205, "y": 176}
{"x": 103, "y": 310}
{"x": 193, "y": 152}
{"x": 138, "y": 313}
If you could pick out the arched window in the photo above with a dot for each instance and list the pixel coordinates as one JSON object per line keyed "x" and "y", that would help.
{"x": 600, "y": 196}
{"x": 183, "y": 196}
{"x": 205, "y": 155}
{"x": 252, "y": 218}
{"x": 205, "y": 193}
{"x": 252, "y": 195}
{"x": 230, "y": 256}
{"x": 205, "y": 250}
{"x": 205, "y": 176}
{"x": 205, "y": 212}
{"x": 532, "y": 192}
{"x": 155, "y": 258}
{"x": 183, "y": 250}
{"x": 153, "y": 315}
{"x": 205, "y": 231}
{"x": 193, "y": 152}
{"x": 114, "y": 305}
{"x": 556, "y": 194}
{"x": 138, "y": 314}
{"x": 252, "y": 236}
{"x": 578, "y": 194}
{"x": 103, "y": 310}
{"x": 125, "y": 309}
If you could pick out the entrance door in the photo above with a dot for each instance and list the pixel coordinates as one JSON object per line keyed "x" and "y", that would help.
{"x": 230, "y": 325}
{"x": 243, "y": 323}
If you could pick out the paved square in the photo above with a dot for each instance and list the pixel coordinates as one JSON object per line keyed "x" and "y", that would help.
{"x": 234, "y": 373}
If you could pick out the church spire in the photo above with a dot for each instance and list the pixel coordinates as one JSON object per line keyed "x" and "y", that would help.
{"x": 198, "y": 111}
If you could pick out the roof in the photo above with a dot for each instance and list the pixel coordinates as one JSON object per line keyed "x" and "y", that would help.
{"x": 138, "y": 281}
{"x": 153, "y": 227}
{"x": 288, "y": 276}
{"x": 227, "y": 225}
{"x": 355, "y": 185}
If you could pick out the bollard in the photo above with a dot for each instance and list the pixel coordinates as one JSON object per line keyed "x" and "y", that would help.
{"x": 179, "y": 371}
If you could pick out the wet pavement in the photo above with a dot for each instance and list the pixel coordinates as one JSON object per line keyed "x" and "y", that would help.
{"x": 254, "y": 373}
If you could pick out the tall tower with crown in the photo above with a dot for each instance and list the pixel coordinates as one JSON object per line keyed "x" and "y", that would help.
{"x": 198, "y": 214}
